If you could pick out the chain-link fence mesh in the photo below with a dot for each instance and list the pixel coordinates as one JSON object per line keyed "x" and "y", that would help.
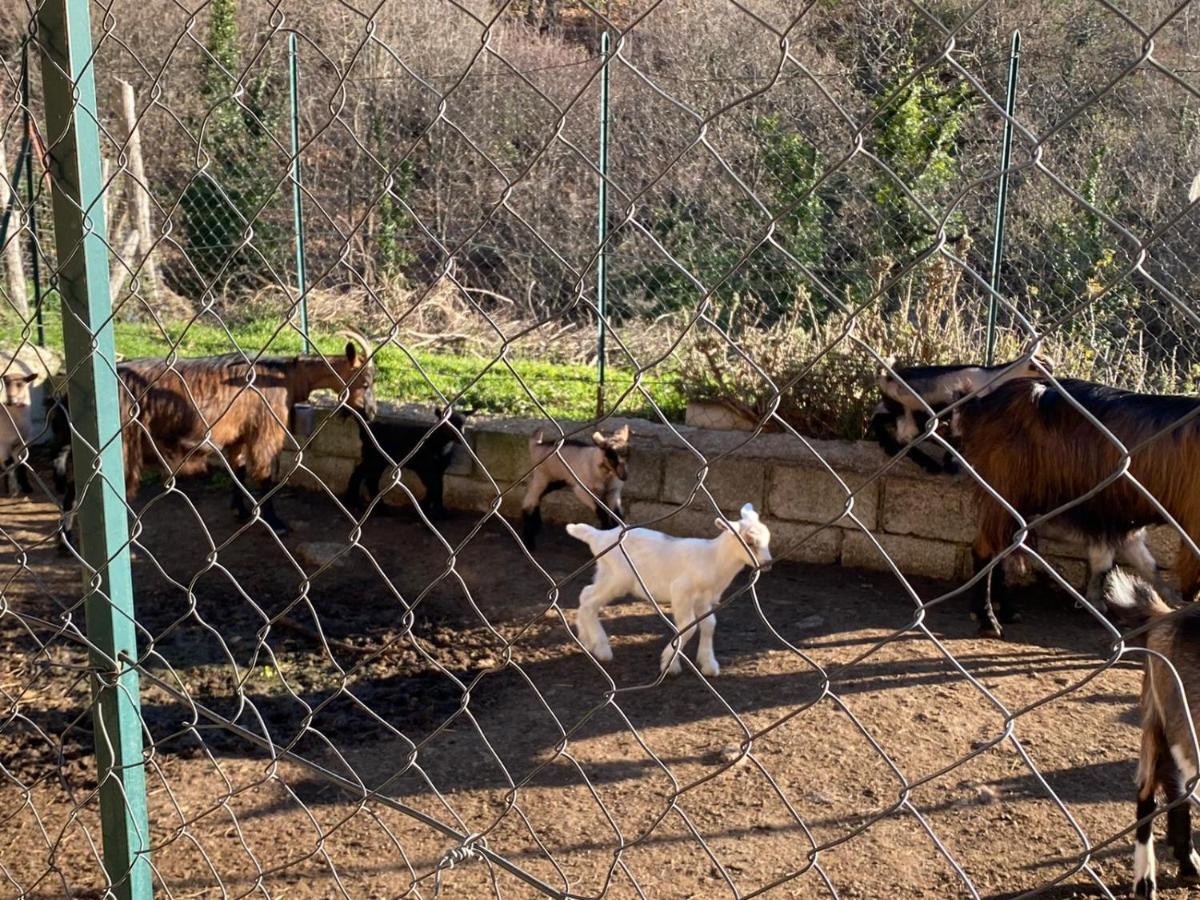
{"x": 392, "y": 705}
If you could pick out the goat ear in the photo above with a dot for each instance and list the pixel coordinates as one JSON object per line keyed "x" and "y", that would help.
{"x": 599, "y": 439}
{"x": 352, "y": 353}
{"x": 622, "y": 435}
{"x": 721, "y": 523}
{"x": 748, "y": 512}
{"x": 31, "y": 378}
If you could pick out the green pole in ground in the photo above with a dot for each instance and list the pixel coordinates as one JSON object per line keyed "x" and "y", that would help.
{"x": 1010, "y": 105}
{"x": 602, "y": 233}
{"x": 80, "y": 233}
{"x": 31, "y": 200}
{"x": 297, "y": 194}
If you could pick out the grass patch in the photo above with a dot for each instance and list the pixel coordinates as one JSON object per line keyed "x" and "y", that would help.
{"x": 483, "y": 384}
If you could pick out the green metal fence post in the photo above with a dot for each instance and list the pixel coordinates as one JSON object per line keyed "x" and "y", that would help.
{"x": 1010, "y": 105}
{"x": 80, "y": 232}
{"x": 602, "y": 233}
{"x": 297, "y": 194}
{"x": 30, "y": 204}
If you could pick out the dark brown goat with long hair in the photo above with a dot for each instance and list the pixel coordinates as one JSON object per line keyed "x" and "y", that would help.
{"x": 1037, "y": 451}
{"x": 174, "y": 413}
{"x": 245, "y": 406}
{"x": 1168, "y": 756}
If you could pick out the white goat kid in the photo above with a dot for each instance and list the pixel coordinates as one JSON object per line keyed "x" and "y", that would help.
{"x": 689, "y": 573}
{"x": 16, "y": 426}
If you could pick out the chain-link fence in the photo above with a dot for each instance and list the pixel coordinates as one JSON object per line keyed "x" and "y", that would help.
{"x": 322, "y": 695}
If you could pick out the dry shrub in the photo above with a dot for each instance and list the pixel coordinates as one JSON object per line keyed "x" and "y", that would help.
{"x": 824, "y": 376}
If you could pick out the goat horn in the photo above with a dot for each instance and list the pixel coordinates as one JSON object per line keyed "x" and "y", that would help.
{"x": 363, "y": 342}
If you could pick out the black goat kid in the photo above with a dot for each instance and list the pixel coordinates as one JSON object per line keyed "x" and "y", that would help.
{"x": 424, "y": 450}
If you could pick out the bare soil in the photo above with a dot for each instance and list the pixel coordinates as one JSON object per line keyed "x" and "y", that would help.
{"x": 439, "y": 671}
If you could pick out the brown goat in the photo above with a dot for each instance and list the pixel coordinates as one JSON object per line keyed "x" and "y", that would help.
{"x": 1168, "y": 754}
{"x": 1037, "y": 451}
{"x": 599, "y": 464}
{"x": 243, "y": 408}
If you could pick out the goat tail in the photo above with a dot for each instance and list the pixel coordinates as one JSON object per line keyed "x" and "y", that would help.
{"x": 581, "y": 532}
{"x": 1132, "y": 602}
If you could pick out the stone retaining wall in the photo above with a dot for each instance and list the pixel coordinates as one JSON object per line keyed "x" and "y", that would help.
{"x": 923, "y": 523}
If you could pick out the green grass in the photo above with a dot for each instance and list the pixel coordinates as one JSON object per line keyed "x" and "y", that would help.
{"x": 487, "y": 386}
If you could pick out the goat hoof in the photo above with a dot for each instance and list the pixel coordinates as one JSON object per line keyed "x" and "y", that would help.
{"x": 1189, "y": 869}
{"x": 712, "y": 670}
{"x": 603, "y": 654}
{"x": 1145, "y": 887}
{"x": 991, "y": 629}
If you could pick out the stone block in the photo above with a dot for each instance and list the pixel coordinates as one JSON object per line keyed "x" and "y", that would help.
{"x": 911, "y": 555}
{"x": 645, "y": 474}
{"x": 504, "y": 454}
{"x": 806, "y": 543}
{"x": 1075, "y": 571}
{"x": 317, "y": 473}
{"x": 941, "y": 508}
{"x": 335, "y": 435}
{"x": 715, "y": 415}
{"x": 731, "y": 481}
{"x": 1164, "y": 542}
{"x": 671, "y": 519}
{"x": 805, "y": 494}
{"x": 479, "y": 496}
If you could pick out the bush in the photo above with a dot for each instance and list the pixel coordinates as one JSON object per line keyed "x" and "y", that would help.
{"x": 822, "y": 373}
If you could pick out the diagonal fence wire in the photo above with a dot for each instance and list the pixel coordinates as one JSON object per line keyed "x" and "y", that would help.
{"x": 728, "y": 202}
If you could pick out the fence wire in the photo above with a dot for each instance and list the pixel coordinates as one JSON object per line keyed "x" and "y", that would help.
{"x": 378, "y": 705}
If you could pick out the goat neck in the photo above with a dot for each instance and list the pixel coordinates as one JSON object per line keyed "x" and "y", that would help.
{"x": 731, "y": 556}
{"x": 311, "y": 373}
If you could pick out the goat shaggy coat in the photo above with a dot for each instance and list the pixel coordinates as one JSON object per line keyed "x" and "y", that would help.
{"x": 1168, "y": 755}
{"x": 1036, "y": 450}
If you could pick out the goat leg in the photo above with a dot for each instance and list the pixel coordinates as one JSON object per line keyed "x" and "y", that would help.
{"x": 531, "y": 525}
{"x": 239, "y": 490}
{"x": 981, "y": 606}
{"x": 270, "y": 516}
{"x": 66, "y": 525}
{"x": 434, "y": 482}
{"x": 23, "y": 478}
{"x": 1179, "y": 820}
{"x": 352, "y": 498}
{"x": 604, "y": 520}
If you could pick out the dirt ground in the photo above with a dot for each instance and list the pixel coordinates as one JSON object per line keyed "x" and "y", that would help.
{"x": 446, "y": 681}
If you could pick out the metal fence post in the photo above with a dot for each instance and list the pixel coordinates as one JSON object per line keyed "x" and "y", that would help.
{"x": 297, "y": 194}
{"x": 602, "y": 233}
{"x": 30, "y": 204}
{"x": 1010, "y": 105}
{"x": 80, "y": 232}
